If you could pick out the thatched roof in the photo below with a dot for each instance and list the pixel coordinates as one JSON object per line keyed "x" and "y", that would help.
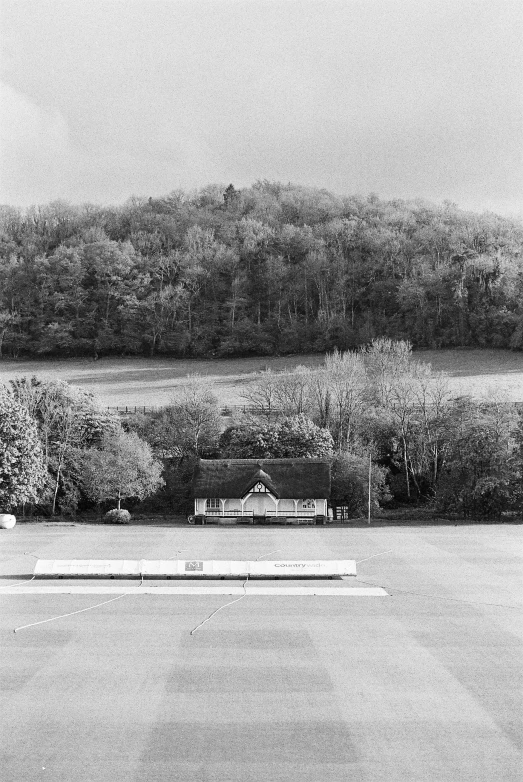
{"x": 285, "y": 478}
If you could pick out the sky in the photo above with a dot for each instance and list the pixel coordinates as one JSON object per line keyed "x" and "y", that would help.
{"x": 106, "y": 99}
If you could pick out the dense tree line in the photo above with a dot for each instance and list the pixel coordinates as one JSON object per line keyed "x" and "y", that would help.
{"x": 264, "y": 270}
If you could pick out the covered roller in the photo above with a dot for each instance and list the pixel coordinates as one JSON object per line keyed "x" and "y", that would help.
{"x": 211, "y": 568}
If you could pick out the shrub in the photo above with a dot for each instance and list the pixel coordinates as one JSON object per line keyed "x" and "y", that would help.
{"x": 350, "y": 475}
{"x": 116, "y": 516}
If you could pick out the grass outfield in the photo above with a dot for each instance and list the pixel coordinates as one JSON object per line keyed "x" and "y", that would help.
{"x": 151, "y": 382}
{"x": 423, "y": 685}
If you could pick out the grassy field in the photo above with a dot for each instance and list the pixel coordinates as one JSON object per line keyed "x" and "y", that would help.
{"x": 152, "y": 382}
{"x": 424, "y": 683}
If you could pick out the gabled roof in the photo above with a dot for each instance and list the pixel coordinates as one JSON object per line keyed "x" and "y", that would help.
{"x": 286, "y": 478}
{"x": 263, "y": 477}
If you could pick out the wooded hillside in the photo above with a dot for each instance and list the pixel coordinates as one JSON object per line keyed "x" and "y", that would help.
{"x": 265, "y": 270}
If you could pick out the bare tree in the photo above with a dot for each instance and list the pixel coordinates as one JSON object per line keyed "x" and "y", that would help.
{"x": 195, "y": 416}
{"x": 293, "y": 391}
{"x": 433, "y": 401}
{"x": 346, "y": 378}
{"x": 386, "y": 359}
{"x": 321, "y": 397}
{"x": 414, "y": 400}
{"x": 262, "y": 395}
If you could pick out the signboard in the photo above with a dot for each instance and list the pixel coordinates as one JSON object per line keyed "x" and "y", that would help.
{"x": 193, "y": 567}
{"x": 320, "y": 568}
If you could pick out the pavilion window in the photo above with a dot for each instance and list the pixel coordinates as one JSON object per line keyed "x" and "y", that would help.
{"x": 259, "y": 488}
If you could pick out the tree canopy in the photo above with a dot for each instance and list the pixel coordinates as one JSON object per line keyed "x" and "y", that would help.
{"x": 122, "y": 466}
{"x": 268, "y": 269}
{"x": 67, "y": 419}
{"x": 296, "y": 436}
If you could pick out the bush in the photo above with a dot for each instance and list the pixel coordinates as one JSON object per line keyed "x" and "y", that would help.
{"x": 116, "y": 516}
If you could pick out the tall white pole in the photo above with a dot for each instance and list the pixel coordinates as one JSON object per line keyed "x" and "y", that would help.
{"x": 370, "y": 474}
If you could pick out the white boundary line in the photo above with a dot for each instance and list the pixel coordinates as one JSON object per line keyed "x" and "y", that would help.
{"x": 280, "y": 591}
{"x": 230, "y": 603}
{"x": 64, "y": 616}
{"x": 374, "y": 555}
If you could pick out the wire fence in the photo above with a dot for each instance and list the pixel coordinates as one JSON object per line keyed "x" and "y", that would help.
{"x": 227, "y": 410}
{"x": 132, "y": 409}
{"x": 230, "y": 410}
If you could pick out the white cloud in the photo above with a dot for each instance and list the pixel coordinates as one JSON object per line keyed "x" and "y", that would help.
{"x": 35, "y": 152}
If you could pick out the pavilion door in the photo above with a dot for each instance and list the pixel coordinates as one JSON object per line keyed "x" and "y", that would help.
{"x": 259, "y": 503}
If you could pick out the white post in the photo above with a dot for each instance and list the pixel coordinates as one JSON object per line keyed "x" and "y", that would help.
{"x": 370, "y": 475}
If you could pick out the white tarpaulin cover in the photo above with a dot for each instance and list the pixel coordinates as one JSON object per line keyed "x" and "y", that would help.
{"x": 87, "y": 567}
{"x": 321, "y": 568}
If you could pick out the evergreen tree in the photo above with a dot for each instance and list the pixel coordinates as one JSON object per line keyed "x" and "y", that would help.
{"x": 22, "y": 468}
